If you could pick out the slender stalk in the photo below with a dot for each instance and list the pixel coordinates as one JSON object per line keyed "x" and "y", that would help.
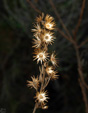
{"x": 82, "y": 81}
{"x": 43, "y": 77}
{"x": 35, "y": 107}
{"x": 80, "y": 18}
{"x": 45, "y": 85}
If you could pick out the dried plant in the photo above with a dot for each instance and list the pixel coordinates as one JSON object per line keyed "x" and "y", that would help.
{"x": 43, "y": 37}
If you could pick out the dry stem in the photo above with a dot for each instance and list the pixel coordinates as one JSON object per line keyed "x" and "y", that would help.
{"x": 35, "y": 107}
{"x": 33, "y": 6}
{"x": 79, "y": 20}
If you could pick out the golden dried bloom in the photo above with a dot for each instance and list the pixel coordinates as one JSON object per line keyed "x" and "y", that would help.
{"x": 34, "y": 83}
{"x": 40, "y": 18}
{"x": 50, "y": 71}
{"x": 37, "y": 29}
{"x": 37, "y": 42}
{"x": 40, "y": 55}
{"x": 49, "y": 22}
{"x": 49, "y": 18}
{"x": 41, "y": 96}
{"x": 53, "y": 59}
{"x": 47, "y": 37}
{"x": 45, "y": 107}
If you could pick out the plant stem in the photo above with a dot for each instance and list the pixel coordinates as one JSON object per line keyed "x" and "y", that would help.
{"x": 43, "y": 78}
{"x": 82, "y": 81}
{"x": 35, "y": 107}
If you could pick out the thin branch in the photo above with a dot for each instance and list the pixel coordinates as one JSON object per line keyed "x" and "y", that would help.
{"x": 35, "y": 107}
{"x": 82, "y": 78}
{"x": 58, "y": 16}
{"x": 84, "y": 42}
{"x": 64, "y": 35}
{"x": 80, "y": 18}
{"x": 47, "y": 82}
{"x": 80, "y": 66}
{"x": 84, "y": 95}
{"x": 33, "y": 6}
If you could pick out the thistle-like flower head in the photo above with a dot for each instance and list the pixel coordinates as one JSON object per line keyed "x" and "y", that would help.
{"x": 53, "y": 59}
{"x": 37, "y": 42}
{"x": 50, "y": 71}
{"x": 37, "y": 29}
{"x": 41, "y": 96}
{"x": 34, "y": 83}
{"x": 49, "y": 22}
{"x": 40, "y": 55}
{"x": 47, "y": 37}
{"x": 40, "y": 18}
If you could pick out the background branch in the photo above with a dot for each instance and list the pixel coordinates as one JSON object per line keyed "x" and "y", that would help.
{"x": 58, "y": 16}
{"x": 80, "y": 19}
{"x": 64, "y": 35}
{"x": 84, "y": 42}
{"x": 84, "y": 95}
{"x": 33, "y": 6}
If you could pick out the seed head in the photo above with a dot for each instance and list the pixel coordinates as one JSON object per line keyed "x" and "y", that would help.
{"x": 50, "y": 71}
{"x": 47, "y": 37}
{"x": 34, "y": 83}
{"x": 40, "y": 18}
{"x": 40, "y": 55}
{"x": 49, "y": 22}
{"x": 37, "y": 29}
{"x": 37, "y": 42}
{"x": 41, "y": 96}
{"x": 53, "y": 59}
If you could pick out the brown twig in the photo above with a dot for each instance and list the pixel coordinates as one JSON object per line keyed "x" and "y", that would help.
{"x": 80, "y": 66}
{"x": 84, "y": 95}
{"x": 83, "y": 84}
{"x": 33, "y": 6}
{"x": 35, "y": 107}
{"x": 84, "y": 42}
{"x": 64, "y": 35}
{"x": 79, "y": 20}
{"x": 58, "y": 16}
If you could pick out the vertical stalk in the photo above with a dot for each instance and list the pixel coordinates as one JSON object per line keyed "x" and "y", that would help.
{"x": 43, "y": 77}
{"x": 81, "y": 80}
{"x": 35, "y": 107}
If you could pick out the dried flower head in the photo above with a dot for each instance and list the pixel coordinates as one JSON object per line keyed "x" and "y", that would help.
{"x": 41, "y": 96}
{"x": 40, "y": 18}
{"x": 49, "y": 22}
{"x": 53, "y": 59}
{"x": 45, "y": 107}
{"x": 37, "y": 42}
{"x": 37, "y": 29}
{"x": 50, "y": 71}
{"x": 40, "y": 55}
{"x": 34, "y": 83}
{"x": 47, "y": 37}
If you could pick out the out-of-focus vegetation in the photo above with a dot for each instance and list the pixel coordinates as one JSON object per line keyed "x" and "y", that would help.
{"x": 16, "y": 61}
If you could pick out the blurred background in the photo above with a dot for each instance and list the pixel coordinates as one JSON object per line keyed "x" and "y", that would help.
{"x": 16, "y": 58}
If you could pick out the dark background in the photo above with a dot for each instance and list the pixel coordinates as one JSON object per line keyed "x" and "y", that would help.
{"x": 16, "y": 58}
